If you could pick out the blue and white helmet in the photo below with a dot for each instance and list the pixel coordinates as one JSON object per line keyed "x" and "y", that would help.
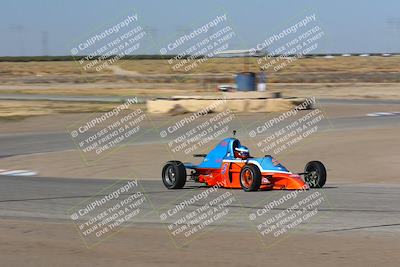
{"x": 241, "y": 152}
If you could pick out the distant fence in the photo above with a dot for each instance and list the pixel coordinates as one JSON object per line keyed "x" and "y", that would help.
{"x": 157, "y": 57}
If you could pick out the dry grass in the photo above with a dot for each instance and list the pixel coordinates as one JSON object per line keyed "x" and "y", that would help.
{"x": 101, "y": 91}
{"x": 340, "y": 77}
{"x": 215, "y": 65}
{"x": 324, "y": 90}
{"x": 14, "y": 110}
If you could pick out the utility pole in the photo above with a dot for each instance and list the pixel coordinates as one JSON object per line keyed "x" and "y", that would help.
{"x": 45, "y": 43}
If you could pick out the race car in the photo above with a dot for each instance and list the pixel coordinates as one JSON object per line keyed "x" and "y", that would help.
{"x": 230, "y": 165}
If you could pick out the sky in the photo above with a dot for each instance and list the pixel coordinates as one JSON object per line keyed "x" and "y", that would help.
{"x": 54, "y": 27}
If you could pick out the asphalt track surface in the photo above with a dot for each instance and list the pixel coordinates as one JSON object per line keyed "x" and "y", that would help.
{"x": 39, "y": 142}
{"x": 345, "y": 207}
{"x": 45, "y": 97}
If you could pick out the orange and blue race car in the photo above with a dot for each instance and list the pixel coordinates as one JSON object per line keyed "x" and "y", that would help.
{"x": 230, "y": 165}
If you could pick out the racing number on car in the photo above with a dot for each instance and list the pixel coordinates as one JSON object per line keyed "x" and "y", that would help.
{"x": 224, "y": 168}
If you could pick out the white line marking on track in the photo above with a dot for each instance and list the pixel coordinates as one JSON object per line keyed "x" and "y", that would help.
{"x": 379, "y": 114}
{"x": 17, "y": 172}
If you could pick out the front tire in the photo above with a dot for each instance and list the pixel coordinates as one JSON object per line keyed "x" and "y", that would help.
{"x": 250, "y": 178}
{"x": 315, "y": 175}
{"x": 174, "y": 175}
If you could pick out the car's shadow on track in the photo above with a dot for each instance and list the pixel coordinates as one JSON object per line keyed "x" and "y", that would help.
{"x": 236, "y": 189}
{"x": 326, "y": 187}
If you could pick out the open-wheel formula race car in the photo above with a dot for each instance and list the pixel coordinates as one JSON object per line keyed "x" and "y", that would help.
{"x": 230, "y": 165}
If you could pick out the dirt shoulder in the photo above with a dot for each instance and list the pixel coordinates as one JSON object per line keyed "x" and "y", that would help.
{"x": 58, "y": 244}
{"x": 124, "y": 89}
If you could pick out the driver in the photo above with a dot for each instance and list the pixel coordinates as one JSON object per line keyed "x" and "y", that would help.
{"x": 241, "y": 152}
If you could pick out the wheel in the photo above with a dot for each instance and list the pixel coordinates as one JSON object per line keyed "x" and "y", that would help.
{"x": 250, "y": 178}
{"x": 174, "y": 175}
{"x": 315, "y": 175}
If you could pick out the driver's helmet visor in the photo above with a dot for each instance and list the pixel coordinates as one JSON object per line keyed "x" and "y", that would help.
{"x": 242, "y": 151}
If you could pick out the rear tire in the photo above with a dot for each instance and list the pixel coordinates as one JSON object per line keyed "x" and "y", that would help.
{"x": 174, "y": 175}
{"x": 315, "y": 175}
{"x": 250, "y": 178}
